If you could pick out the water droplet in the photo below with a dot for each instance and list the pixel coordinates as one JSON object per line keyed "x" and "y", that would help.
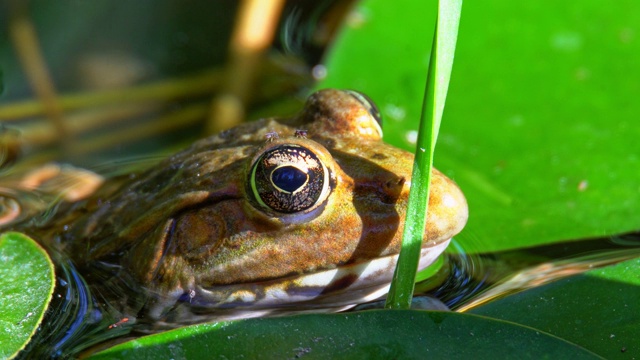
{"x": 319, "y": 72}
{"x": 582, "y": 73}
{"x": 395, "y": 112}
{"x": 357, "y": 18}
{"x": 412, "y": 136}
{"x": 516, "y": 120}
{"x": 626, "y": 35}
{"x": 567, "y": 41}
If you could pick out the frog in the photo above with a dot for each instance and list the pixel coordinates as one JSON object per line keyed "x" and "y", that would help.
{"x": 280, "y": 214}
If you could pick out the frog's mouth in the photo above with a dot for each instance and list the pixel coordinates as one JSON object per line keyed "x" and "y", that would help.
{"x": 327, "y": 290}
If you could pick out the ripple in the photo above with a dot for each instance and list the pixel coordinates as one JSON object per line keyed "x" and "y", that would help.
{"x": 17, "y": 205}
{"x": 10, "y": 209}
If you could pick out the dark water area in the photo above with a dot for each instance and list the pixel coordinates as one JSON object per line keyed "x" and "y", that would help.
{"x": 74, "y": 319}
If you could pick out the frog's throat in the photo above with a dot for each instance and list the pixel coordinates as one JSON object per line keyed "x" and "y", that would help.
{"x": 338, "y": 289}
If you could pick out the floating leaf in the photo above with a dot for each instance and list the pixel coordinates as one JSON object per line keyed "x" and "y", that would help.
{"x": 599, "y": 310}
{"x": 26, "y": 286}
{"x": 386, "y": 334}
{"x": 541, "y": 126}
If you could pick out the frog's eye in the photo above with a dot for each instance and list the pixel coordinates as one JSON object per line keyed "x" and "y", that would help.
{"x": 289, "y": 178}
{"x": 369, "y": 105}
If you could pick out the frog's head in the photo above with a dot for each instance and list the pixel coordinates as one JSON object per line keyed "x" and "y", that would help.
{"x": 312, "y": 218}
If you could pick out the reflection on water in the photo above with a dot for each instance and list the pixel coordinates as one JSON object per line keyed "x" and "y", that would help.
{"x": 9, "y": 207}
{"x": 476, "y": 279}
{"x": 86, "y": 309}
{"x": 72, "y": 315}
{"x": 18, "y": 205}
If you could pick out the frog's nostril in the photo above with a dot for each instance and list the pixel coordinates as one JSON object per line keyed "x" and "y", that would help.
{"x": 391, "y": 189}
{"x": 396, "y": 183}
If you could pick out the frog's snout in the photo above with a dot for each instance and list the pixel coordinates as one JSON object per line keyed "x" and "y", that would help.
{"x": 448, "y": 209}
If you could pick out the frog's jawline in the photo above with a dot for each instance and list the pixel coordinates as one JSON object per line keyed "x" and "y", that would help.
{"x": 333, "y": 290}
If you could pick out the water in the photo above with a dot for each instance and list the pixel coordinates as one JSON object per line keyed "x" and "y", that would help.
{"x": 74, "y": 320}
{"x": 476, "y": 279}
{"x": 18, "y": 205}
{"x": 93, "y": 309}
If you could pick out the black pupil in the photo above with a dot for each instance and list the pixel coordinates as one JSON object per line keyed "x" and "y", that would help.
{"x": 288, "y": 178}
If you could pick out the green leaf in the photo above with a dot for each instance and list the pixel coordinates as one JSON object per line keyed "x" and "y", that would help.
{"x": 442, "y": 54}
{"x": 599, "y": 310}
{"x": 541, "y": 124}
{"x": 387, "y": 334}
{"x": 539, "y": 127}
{"x": 26, "y": 286}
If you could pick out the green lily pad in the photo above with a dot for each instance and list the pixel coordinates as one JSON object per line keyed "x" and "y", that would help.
{"x": 26, "y": 286}
{"x": 599, "y": 310}
{"x": 539, "y": 129}
{"x": 401, "y": 334}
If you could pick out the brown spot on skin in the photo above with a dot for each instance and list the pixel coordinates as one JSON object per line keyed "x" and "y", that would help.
{"x": 198, "y": 233}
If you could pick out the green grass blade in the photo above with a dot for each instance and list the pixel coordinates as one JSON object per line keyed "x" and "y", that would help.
{"x": 442, "y": 53}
